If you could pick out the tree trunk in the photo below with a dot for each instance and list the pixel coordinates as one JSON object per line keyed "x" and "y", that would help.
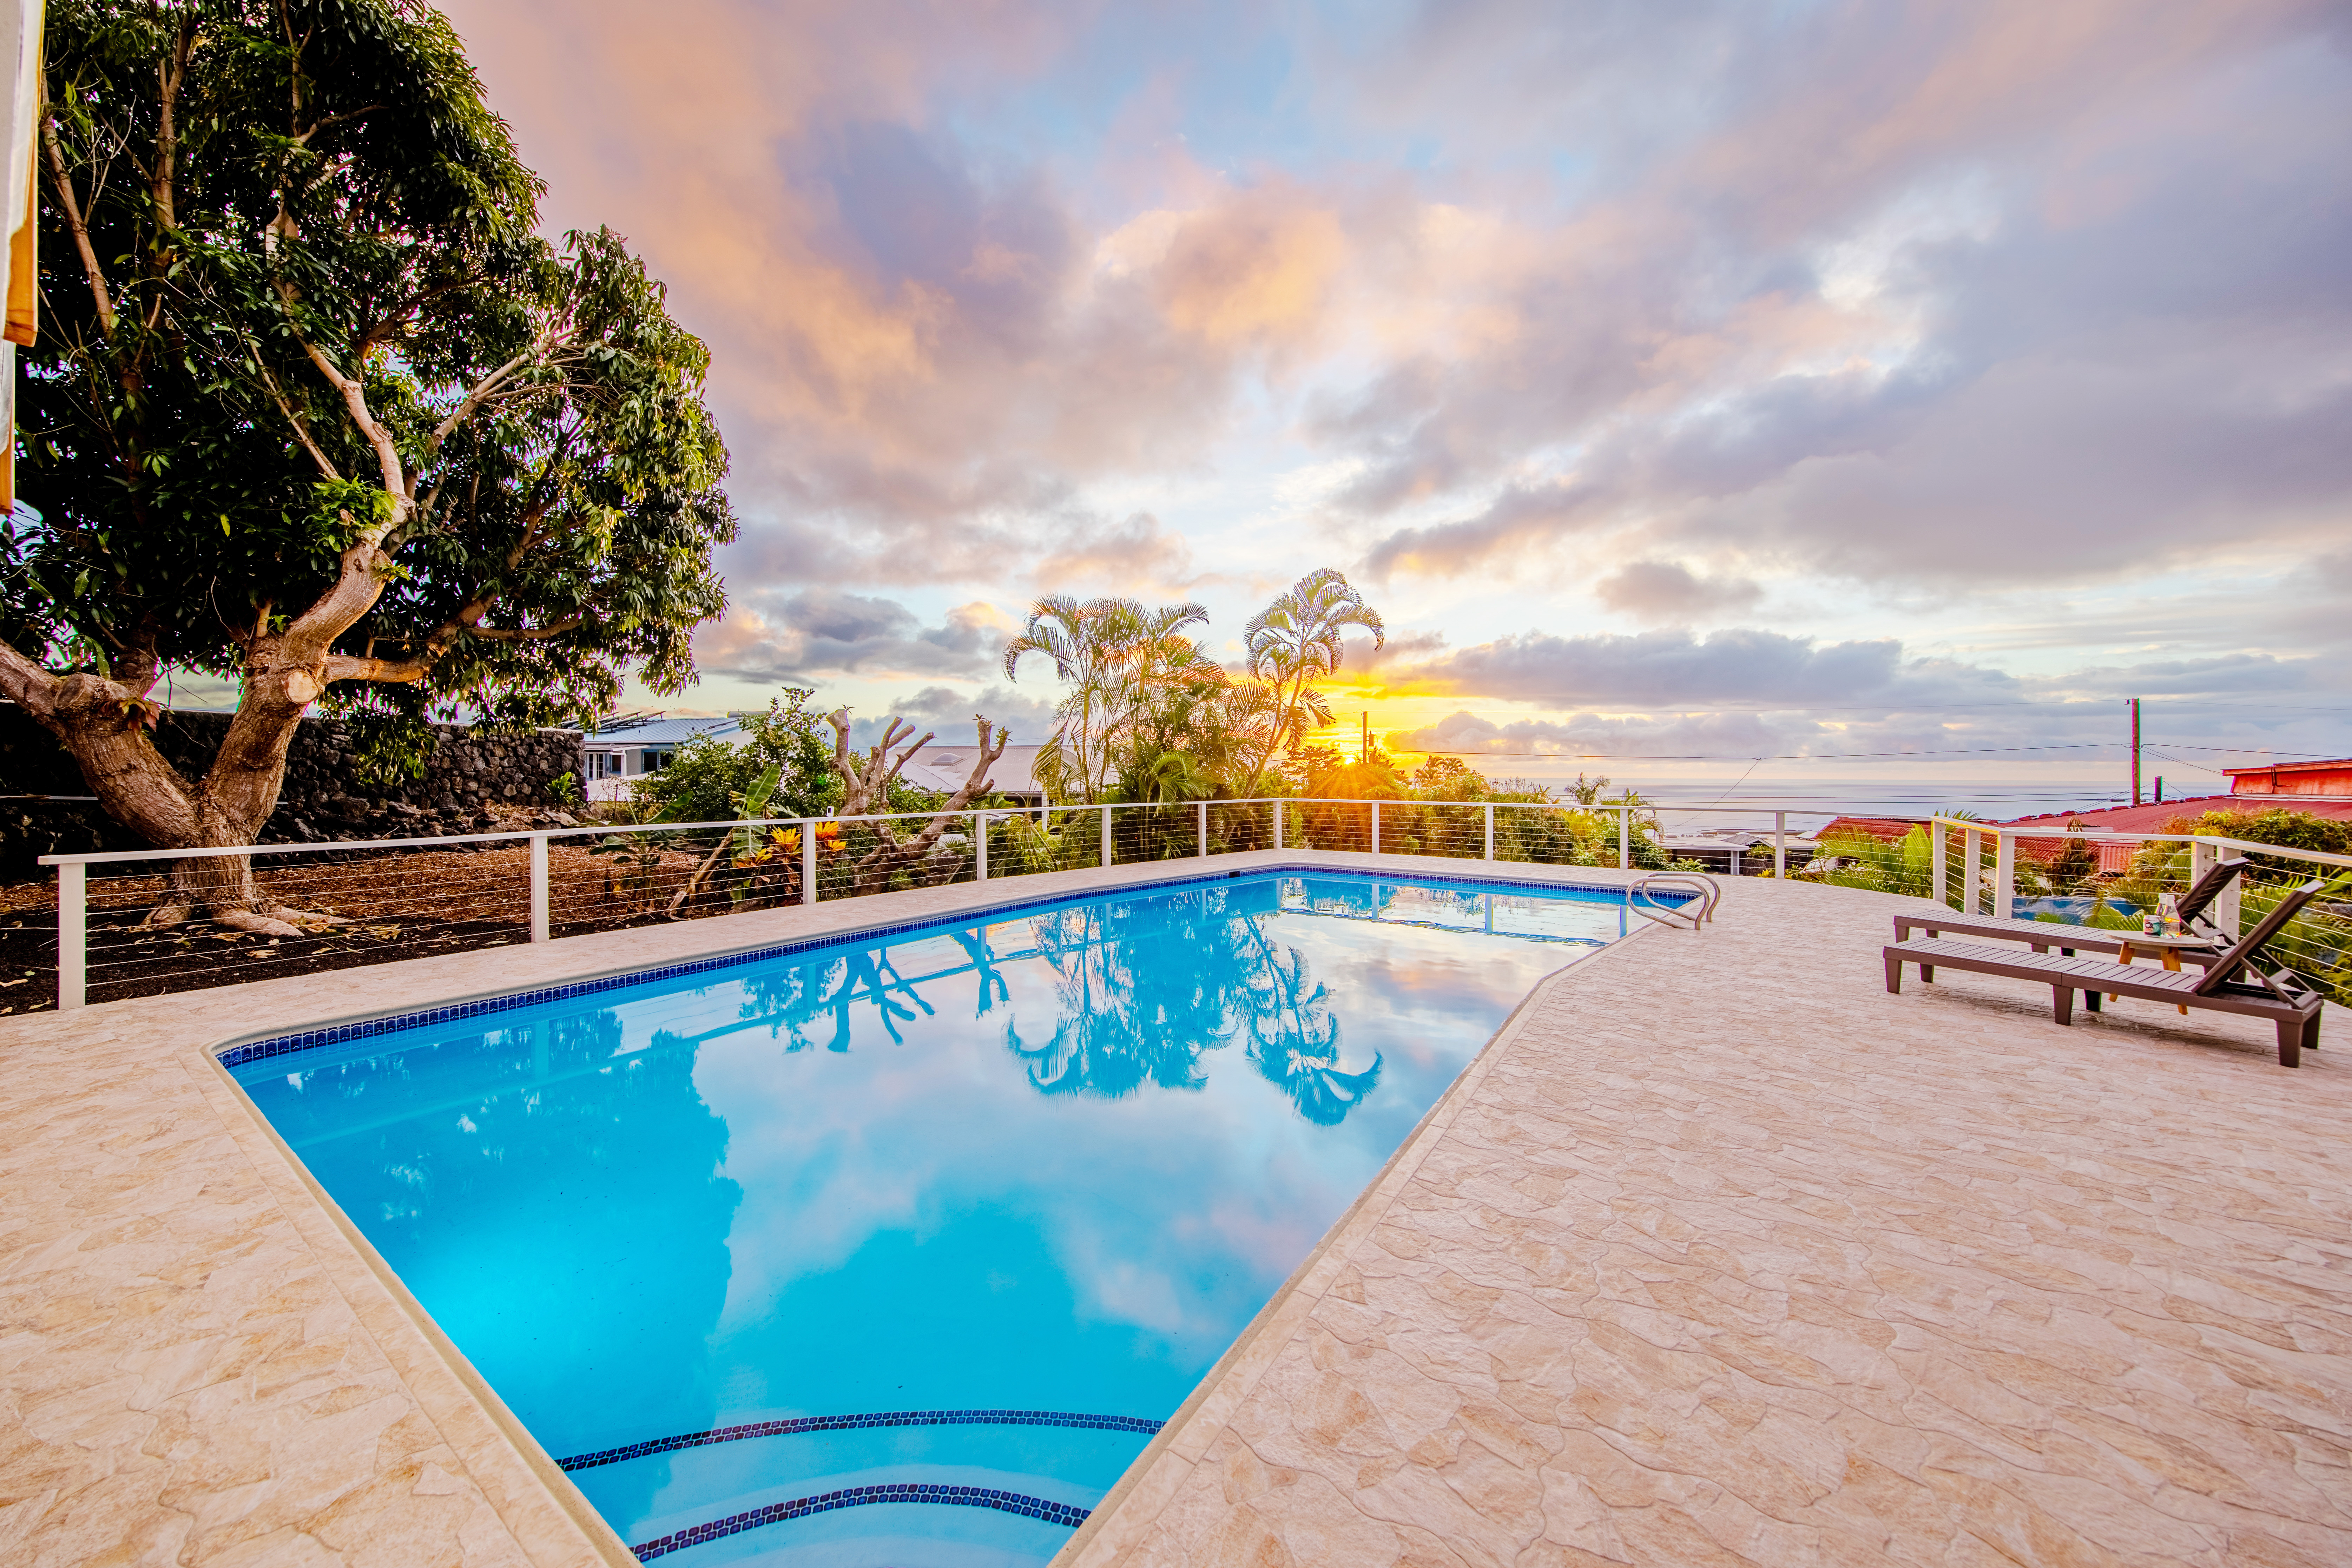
{"x": 867, "y": 788}
{"x": 107, "y": 728}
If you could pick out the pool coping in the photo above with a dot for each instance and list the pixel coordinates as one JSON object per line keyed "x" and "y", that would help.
{"x": 1072, "y": 887}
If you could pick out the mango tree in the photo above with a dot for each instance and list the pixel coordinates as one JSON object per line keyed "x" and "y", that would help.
{"x": 316, "y": 409}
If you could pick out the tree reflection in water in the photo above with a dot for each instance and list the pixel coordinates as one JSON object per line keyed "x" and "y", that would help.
{"x": 1293, "y": 1038}
{"x": 790, "y": 999}
{"x": 1145, "y": 990}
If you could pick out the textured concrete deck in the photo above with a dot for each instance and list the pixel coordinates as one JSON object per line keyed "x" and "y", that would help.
{"x": 1724, "y": 1255}
{"x": 1720, "y": 1255}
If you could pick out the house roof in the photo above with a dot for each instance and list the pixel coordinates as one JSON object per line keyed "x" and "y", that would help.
{"x": 944, "y": 765}
{"x": 2155, "y": 816}
{"x": 1892, "y": 829}
{"x": 2336, "y": 765}
{"x": 664, "y": 732}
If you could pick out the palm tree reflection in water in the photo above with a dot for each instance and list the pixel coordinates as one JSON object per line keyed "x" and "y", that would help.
{"x": 1146, "y": 990}
{"x": 1145, "y": 997}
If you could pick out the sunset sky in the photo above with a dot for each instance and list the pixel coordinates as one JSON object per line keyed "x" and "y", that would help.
{"x": 1869, "y": 389}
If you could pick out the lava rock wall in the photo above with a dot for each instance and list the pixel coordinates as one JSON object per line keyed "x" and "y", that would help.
{"x": 472, "y": 782}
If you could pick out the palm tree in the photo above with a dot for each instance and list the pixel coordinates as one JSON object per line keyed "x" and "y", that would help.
{"x": 1117, "y": 656}
{"x": 1294, "y": 643}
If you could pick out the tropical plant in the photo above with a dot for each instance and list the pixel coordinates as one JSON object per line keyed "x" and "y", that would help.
{"x": 316, "y": 409}
{"x": 1120, "y": 660}
{"x": 707, "y": 775}
{"x": 1855, "y": 858}
{"x": 1292, "y": 644}
{"x": 761, "y": 860}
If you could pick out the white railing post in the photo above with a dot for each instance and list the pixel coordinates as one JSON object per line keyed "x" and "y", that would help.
{"x": 1625, "y": 834}
{"x": 73, "y": 934}
{"x": 2005, "y": 874}
{"x": 2229, "y": 909}
{"x": 1106, "y": 836}
{"x": 1490, "y": 830}
{"x": 1278, "y": 809}
{"x": 538, "y": 887}
{"x": 1937, "y": 870}
{"x": 808, "y": 860}
{"x": 1779, "y": 844}
{"x": 979, "y": 846}
{"x": 1201, "y": 825}
{"x": 1375, "y": 827}
{"x": 1971, "y": 862}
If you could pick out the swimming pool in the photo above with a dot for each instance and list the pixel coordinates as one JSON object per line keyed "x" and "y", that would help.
{"x": 896, "y": 1249}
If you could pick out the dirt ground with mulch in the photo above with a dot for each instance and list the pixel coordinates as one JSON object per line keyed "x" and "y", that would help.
{"x": 400, "y": 904}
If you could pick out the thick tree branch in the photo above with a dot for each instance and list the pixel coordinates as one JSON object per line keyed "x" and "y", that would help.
{"x": 171, "y": 74}
{"x": 301, "y": 427}
{"x": 141, "y": 666}
{"x": 104, "y": 725}
{"x": 391, "y": 671}
{"x": 359, "y": 582}
{"x": 28, "y": 686}
{"x": 63, "y": 181}
{"x": 355, "y": 395}
{"x": 527, "y": 634}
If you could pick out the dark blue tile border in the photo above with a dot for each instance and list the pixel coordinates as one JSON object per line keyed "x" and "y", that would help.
{"x": 800, "y": 1423}
{"x": 1051, "y": 1512}
{"x": 367, "y": 1028}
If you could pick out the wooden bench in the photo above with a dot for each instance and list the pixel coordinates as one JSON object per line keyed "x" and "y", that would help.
{"x": 2282, "y": 997}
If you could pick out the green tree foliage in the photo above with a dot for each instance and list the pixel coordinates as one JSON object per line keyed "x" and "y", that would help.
{"x": 2272, "y": 825}
{"x": 1295, "y": 644}
{"x": 1139, "y": 686}
{"x": 1141, "y": 690}
{"x": 709, "y": 778}
{"x": 315, "y": 408}
{"x": 1858, "y": 859}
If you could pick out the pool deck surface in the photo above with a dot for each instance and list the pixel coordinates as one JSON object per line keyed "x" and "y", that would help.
{"x": 1720, "y": 1255}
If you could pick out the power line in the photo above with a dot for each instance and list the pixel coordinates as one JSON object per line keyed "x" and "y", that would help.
{"x": 2085, "y": 704}
{"x": 1825, "y": 756}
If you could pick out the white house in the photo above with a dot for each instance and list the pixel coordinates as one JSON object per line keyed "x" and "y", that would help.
{"x": 622, "y": 750}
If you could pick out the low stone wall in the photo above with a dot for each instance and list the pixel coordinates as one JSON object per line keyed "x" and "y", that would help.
{"x": 472, "y": 781}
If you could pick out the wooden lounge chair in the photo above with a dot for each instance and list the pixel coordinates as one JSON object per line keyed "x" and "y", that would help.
{"x": 2043, "y": 935}
{"x": 2279, "y": 995}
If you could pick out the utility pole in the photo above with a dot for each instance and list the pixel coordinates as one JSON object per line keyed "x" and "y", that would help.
{"x": 1365, "y": 756}
{"x": 2135, "y": 710}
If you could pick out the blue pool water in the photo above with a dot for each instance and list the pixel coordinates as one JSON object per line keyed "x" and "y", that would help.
{"x": 898, "y": 1251}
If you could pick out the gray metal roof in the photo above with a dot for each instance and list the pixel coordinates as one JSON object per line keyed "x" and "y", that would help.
{"x": 664, "y": 732}
{"x": 944, "y": 765}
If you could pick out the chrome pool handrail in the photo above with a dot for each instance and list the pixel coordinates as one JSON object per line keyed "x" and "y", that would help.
{"x": 1700, "y": 887}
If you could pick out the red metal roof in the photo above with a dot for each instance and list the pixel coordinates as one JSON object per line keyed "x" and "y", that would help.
{"x": 2153, "y": 818}
{"x": 1892, "y": 829}
{"x": 2116, "y": 855}
{"x": 2299, "y": 779}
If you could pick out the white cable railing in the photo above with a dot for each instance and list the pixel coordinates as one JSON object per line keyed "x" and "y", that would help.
{"x": 392, "y": 899}
{"x": 1993, "y": 889}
